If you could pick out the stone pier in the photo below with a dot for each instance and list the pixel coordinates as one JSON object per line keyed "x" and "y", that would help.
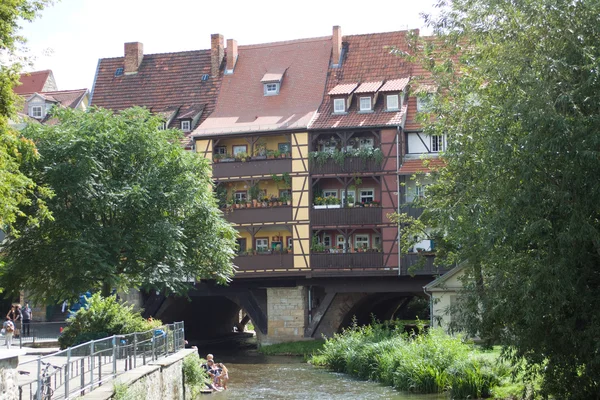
{"x": 287, "y": 315}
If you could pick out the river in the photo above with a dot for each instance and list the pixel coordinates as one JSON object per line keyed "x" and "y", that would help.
{"x": 256, "y": 376}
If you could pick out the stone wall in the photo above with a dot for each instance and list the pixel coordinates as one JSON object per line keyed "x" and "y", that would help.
{"x": 287, "y": 314}
{"x": 9, "y": 361}
{"x": 159, "y": 380}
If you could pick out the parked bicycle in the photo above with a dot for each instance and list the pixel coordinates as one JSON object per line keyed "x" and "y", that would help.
{"x": 45, "y": 391}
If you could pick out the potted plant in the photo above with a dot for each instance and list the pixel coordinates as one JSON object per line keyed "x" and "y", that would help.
{"x": 217, "y": 157}
{"x": 270, "y": 154}
{"x": 227, "y": 158}
{"x": 260, "y": 150}
{"x": 375, "y": 203}
{"x": 242, "y": 156}
{"x": 276, "y": 154}
{"x": 350, "y": 201}
{"x": 236, "y": 203}
{"x": 319, "y": 202}
{"x": 265, "y": 201}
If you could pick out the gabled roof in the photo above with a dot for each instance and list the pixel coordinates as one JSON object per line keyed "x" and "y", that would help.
{"x": 163, "y": 82}
{"x": 35, "y": 81}
{"x": 367, "y": 59}
{"x": 242, "y": 105}
{"x": 66, "y": 98}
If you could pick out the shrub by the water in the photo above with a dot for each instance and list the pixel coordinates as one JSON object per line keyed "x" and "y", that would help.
{"x": 194, "y": 375}
{"x": 429, "y": 363}
{"x": 103, "y": 317}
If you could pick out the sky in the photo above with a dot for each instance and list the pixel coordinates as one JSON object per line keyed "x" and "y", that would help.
{"x": 70, "y": 36}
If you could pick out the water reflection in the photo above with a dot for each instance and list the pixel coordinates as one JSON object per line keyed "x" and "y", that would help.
{"x": 255, "y": 376}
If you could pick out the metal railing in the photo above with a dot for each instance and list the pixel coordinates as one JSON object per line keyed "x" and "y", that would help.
{"x": 38, "y": 332}
{"x": 77, "y": 370}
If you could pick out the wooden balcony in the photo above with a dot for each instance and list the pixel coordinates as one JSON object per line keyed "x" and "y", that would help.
{"x": 346, "y": 216}
{"x": 252, "y": 168}
{"x": 257, "y": 215}
{"x": 408, "y": 208}
{"x": 346, "y": 260}
{"x": 410, "y": 260}
{"x": 349, "y": 165}
{"x": 262, "y": 262}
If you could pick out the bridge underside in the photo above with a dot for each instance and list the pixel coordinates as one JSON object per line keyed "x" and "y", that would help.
{"x": 289, "y": 309}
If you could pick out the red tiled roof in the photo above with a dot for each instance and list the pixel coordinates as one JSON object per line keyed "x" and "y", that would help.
{"x": 344, "y": 88}
{"x": 367, "y": 58}
{"x": 368, "y": 87}
{"x": 163, "y": 82}
{"x": 32, "y": 82}
{"x": 410, "y": 167}
{"x": 66, "y": 98}
{"x": 242, "y": 105}
{"x": 394, "y": 85}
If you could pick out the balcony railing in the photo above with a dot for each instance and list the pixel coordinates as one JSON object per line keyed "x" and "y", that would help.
{"x": 349, "y": 164}
{"x": 427, "y": 268}
{"x": 252, "y": 167}
{"x": 412, "y": 211}
{"x": 346, "y": 260}
{"x": 255, "y": 215}
{"x": 261, "y": 262}
{"x": 346, "y": 216}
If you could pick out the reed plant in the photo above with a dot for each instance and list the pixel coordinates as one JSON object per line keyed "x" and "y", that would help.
{"x": 432, "y": 362}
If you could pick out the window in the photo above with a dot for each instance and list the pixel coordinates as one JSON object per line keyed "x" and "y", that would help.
{"x": 361, "y": 241}
{"x": 221, "y": 150}
{"x": 262, "y": 245}
{"x": 162, "y": 126}
{"x": 367, "y": 195}
{"x": 285, "y": 193}
{"x": 289, "y": 242}
{"x": 240, "y": 149}
{"x": 366, "y": 143}
{"x": 351, "y": 193}
{"x": 186, "y": 125}
{"x": 284, "y": 147}
{"x": 241, "y": 245}
{"x": 241, "y": 195}
{"x": 365, "y": 103}
{"x": 420, "y": 191}
{"x": 326, "y": 240}
{"x": 392, "y": 102}
{"x": 437, "y": 143}
{"x": 333, "y": 193}
{"x": 341, "y": 242}
{"x": 36, "y": 111}
{"x": 424, "y": 102}
{"x": 377, "y": 241}
{"x": 271, "y": 89}
{"x": 331, "y": 148}
{"x": 339, "y": 105}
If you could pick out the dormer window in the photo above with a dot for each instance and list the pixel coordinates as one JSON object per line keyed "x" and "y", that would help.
{"x": 186, "y": 125}
{"x": 162, "y": 126}
{"x": 36, "y": 112}
{"x": 271, "y": 89}
{"x": 365, "y": 104}
{"x": 272, "y": 82}
{"x": 392, "y": 102}
{"x": 424, "y": 102}
{"x": 339, "y": 106}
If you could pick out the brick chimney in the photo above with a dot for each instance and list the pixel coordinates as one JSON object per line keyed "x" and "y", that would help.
{"x": 336, "y": 40}
{"x": 232, "y": 55}
{"x": 134, "y": 53}
{"x": 217, "y": 52}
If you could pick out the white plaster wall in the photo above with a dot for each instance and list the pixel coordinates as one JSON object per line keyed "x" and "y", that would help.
{"x": 415, "y": 145}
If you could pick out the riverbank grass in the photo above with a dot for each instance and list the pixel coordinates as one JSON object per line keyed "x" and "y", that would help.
{"x": 433, "y": 362}
{"x": 305, "y": 348}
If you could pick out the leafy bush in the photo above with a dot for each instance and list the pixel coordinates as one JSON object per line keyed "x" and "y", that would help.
{"x": 103, "y": 317}
{"x": 429, "y": 363}
{"x": 194, "y": 375}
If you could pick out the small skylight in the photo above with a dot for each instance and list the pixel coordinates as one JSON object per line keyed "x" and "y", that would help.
{"x": 119, "y": 72}
{"x": 205, "y": 77}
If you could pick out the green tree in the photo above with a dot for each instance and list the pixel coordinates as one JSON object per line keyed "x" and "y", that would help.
{"x": 519, "y": 200}
{"x": 132, "y": 209}
{"x": 16, "y": 189}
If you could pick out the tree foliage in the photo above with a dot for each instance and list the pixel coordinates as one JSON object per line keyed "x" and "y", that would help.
{"x": 103, "y": 317}
{"x": 519, "y": 201}
{"x": 16, "y": 189}
{"x": 132, "y": 209}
